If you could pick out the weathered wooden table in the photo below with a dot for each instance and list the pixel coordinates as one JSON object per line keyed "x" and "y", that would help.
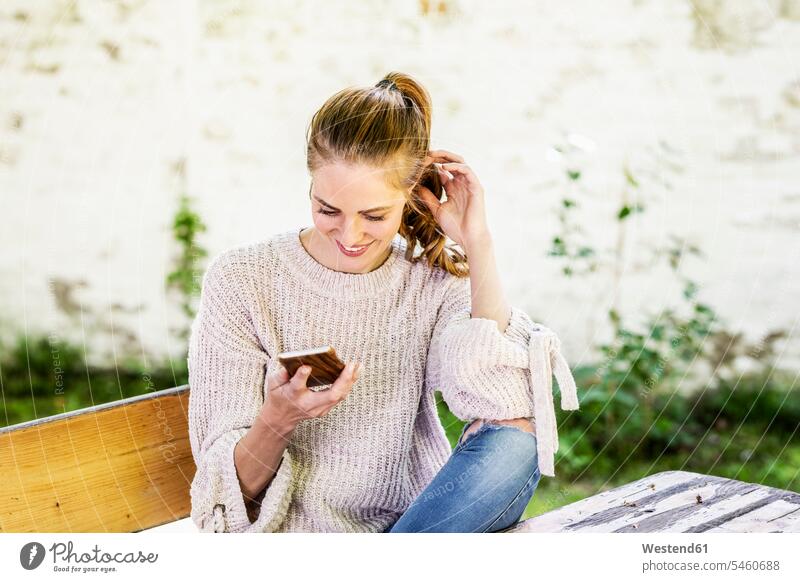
{"x": 676, "y": 501}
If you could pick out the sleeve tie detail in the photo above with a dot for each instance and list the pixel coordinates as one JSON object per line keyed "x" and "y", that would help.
{"x": 545, "y": 361}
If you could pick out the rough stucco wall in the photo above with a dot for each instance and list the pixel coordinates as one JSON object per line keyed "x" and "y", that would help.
{"x": 101, "y": 99}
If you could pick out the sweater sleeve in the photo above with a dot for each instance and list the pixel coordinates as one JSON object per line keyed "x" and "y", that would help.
{"x": 485, "y": 373}
{"x": 226, "y": 386}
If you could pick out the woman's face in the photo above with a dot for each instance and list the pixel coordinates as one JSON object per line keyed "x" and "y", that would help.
{"x": 353, "y": 208}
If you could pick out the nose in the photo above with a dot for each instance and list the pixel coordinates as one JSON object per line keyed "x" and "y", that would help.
{"x": 351, "y": 233}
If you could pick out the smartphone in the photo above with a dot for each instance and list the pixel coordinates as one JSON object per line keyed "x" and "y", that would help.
{"x": 325, "y": 364}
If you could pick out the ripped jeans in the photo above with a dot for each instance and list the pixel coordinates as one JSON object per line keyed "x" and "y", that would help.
{"x": 485, "y": 485}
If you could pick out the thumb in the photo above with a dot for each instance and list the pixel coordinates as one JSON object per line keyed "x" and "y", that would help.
{"x": 427, "y": 198}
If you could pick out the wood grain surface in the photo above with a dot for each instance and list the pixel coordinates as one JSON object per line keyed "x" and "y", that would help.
{"x": 120, "y": 467}
{"x": 676, "y": 501}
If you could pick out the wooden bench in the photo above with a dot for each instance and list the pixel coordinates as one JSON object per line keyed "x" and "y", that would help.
{"x": 120, "y": 467}
{"x": 127, "y": 466}
{"x": 676, "y": 501}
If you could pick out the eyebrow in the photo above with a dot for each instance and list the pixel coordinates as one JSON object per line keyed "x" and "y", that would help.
{"x": 321, "y": 201}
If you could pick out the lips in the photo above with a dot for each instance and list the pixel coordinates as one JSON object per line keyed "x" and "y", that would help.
{"x": 356, "y": 253}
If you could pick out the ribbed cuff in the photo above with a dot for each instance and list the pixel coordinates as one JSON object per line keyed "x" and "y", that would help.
{"x": 274, "y": 504}
{"x": 485, "y": 372}
{"x": 519, "y": 328}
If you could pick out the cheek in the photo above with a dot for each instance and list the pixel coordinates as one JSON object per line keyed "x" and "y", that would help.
{"x": 324, "y": 223}
{"x": 384, "y": 230}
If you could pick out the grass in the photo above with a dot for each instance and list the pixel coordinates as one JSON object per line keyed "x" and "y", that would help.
{"x": 40, "y": 379}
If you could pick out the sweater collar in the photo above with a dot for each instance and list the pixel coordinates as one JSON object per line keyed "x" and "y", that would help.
{"x": 330, "y": 283}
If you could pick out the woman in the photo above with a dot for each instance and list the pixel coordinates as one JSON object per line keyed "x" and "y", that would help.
{"x": 369, "y": 454}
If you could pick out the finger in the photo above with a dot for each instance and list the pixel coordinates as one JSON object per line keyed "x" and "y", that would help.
{"x": 341, "y": 387}
{"x": 456, "y": 170}
{"x": 437, "y": 154}
{"x": 427, "y": 198}
{"x": 277, "y": 377}
{"x": 456, "y": 167}
{"x": 442, "y": 172}
{"x": 462, "y": 170}
{"x": 300, "y": 377}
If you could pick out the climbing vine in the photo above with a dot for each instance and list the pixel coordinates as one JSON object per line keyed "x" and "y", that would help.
{"x": 186, "y": 276}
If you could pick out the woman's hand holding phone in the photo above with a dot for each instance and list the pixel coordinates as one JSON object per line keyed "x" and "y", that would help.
{"x": 289, "y": 401}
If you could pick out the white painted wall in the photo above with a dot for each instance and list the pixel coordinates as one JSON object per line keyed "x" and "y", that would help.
{"x": 100, "y": 99}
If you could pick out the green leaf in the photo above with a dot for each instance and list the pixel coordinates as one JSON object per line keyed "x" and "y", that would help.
{"x": 558, "y": 249}
{"x": 705, "y": 309}
{"x": 629, "y": 177}
{"x": 592, "y": 396}
{"x": 625, "y": 399}
{"x": 690, "y": 290}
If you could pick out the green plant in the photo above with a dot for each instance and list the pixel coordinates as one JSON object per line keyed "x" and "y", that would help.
{"x": 186, "y": 276}
{"x": 633, "y": 403}
{"x": 572, "y": 245}
{"x": 580, "y": 258}
{"x": 41, "y": 376}
{"x": 451, "y": 423}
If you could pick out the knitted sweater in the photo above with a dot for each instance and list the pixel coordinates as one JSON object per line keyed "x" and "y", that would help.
{"x": 358, "y": 468}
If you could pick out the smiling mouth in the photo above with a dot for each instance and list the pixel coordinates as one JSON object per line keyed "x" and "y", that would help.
{"x": 352, "y": 251}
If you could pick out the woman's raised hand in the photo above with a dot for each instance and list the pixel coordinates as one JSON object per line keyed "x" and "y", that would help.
{"x": 462, "y": 217}
{"x": 289, "y": 401}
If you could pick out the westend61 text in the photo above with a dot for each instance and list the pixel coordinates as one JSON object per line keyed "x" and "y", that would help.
{"x": 670, "y": 549}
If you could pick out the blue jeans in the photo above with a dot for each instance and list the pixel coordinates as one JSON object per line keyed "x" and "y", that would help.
{"x": 485, "y": 485}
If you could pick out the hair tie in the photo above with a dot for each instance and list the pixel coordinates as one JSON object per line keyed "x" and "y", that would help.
{"x": 387, "y": 83}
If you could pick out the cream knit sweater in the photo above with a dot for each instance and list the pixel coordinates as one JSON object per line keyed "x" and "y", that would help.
{"x": 359, "y": 467}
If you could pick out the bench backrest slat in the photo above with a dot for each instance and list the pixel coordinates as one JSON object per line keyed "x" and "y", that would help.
{"x": 118, "y": 467}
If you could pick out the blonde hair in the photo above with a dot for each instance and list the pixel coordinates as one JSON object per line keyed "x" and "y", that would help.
{"x": 388, "y": 126}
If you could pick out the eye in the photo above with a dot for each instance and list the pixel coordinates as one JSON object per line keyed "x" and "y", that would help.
{"x": 335, "y": 212}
